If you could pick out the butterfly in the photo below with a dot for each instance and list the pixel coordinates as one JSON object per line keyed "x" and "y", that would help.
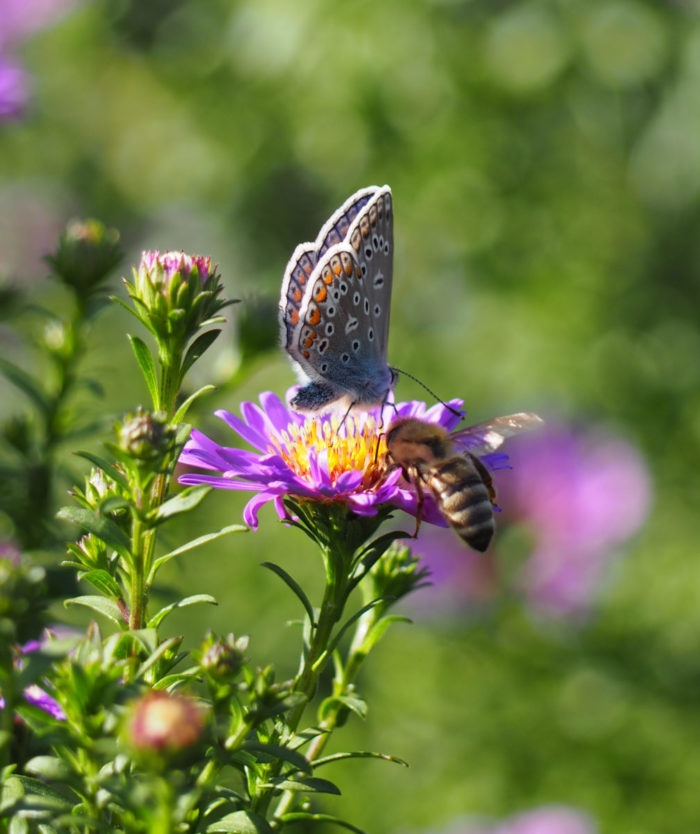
{"x": 334, "y": 306}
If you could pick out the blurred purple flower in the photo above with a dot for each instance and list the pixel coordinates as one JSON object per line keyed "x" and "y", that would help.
{"x": 549, "y": 819}
{"x": 20, "y": 18}
{"x": 579, "y": 495}
{"x": 34, "y": 694}
{"x": 310, "y": 457}
{"x": 14, "y": 89}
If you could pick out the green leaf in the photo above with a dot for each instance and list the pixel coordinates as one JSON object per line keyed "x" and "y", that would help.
{"x": 181, "y": 503}
{"x": 377, "y": 632}
{"x": 352, "y": 702}
{"x": 294, "y": 586}
{"x": 36, "y": 788}
{"x": 22, "y": 380}
{"x": 103, "y": 581}
{"x": 106, "y": 607}
{"x": 48, "y": 767}
{"x": 179, "y": 415}
{"x": 298, "y": 816}
{"x": 107, "y": 467}
{"x": 197, "y": 348}
{"x": 306, "y": 784}
{"x": 161, "y": 560}
{"x": 359, "y": 754}
{"x": 158, "y": 618}
{"x": 371, "y": 554}
{"x": 148, "y": 367}
{"x": 276, "y": 751}
{"x": 121, "y": 645}
{"x": 100, "y": 526}
{"x": 341, "y": 631}
{"x": 240, "y": 822}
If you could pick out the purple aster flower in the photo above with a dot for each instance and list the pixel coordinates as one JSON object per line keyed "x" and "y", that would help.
{"x": 14, "y": 90}
{"x": 318, "y": 458}
{"x": 33, "y": 693}
{"x": 581, "y": 495}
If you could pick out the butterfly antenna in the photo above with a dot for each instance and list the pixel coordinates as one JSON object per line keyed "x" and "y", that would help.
{"x": 454, "y": 411}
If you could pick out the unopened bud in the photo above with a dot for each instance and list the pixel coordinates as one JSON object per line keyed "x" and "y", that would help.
{"x": 87, "y": 252}
{"x": 160, "y": 722}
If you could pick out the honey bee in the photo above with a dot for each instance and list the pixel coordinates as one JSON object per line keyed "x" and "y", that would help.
{"x": 450, "y": 466}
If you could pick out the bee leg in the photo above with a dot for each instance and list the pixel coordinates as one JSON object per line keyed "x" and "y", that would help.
{"x": 421, "y": 500}
{"x": 485, "y": 477}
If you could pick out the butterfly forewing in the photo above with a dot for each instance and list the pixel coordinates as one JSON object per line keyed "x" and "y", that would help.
{"x": 296, "y": 279}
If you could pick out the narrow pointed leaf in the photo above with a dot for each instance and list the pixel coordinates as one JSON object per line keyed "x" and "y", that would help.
{"x": 197, "y": 348}
{"x": 276, "y": 751}
{"x": 181, "y": 503}
{"x": 240, "y": 822}
{"x": 293, "y": 585}
{"x": 106, "y": 607}
{"x": 356, "y": 616}
{"x": 307, "y": 784}
{"x": 185, "y": 407}
{"x": 156, "y": 620}
{"x": 166, "y": 557}
{"x": 380, "y": 628}
{"x": 107, "y": 467}
{"x": 148, "y": 367}
{"x": 22, "y": 380}
{"x": 300, "y": 816}
{"x": 100, "y": 526}
{"x": 359, "y": 754}
{"x": 351, "y": 702}
{"x": 104, "y": 582}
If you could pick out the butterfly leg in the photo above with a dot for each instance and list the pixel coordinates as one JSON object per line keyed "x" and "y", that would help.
{"x": 313, "y": 397}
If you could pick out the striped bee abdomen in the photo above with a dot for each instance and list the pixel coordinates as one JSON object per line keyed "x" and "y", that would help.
{"x": 463, "y": 498}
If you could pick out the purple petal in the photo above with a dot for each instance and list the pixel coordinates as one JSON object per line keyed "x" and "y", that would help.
{"x": 249, "y": 434}
{"x": 250, "y": 513}
{"x": 35, "y": 695}
{"x": 276, "y": 410}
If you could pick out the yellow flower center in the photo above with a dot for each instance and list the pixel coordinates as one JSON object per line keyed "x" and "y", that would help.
{"x": 357, "y": 444}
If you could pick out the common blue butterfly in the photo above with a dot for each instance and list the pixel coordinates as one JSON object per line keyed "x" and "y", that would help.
{"x": 334, "y": 306}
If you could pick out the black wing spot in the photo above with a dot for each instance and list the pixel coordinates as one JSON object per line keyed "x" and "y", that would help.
{"x": 377, "y": 310}
{"x": 330, "y": 311}
{"x": 366, "y": 305}
{"x": 370, "y": 334}
{"x": 356, "y": 345}
{"x": 386, "y": 248}
{"x": 375, "y": 242}
{"x": 345, "y": 358}
{"x": 324, "y": 368}
{"x": 356, "y": 298}
{"x": 322, "y": 345}
{"x": 336, "y": 295}
{"x": 368, "y": 253}
{"x": 343, "y": 288}
{"x": 330, "y": 329}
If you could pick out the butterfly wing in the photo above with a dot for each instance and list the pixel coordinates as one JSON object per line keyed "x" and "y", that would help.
{"x": 489, "y": 436}
{"x": 334, "y": 311}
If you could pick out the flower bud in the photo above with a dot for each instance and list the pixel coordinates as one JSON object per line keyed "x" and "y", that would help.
{"x": 398, "y": 572}
{"x": 162, "y": 723}
{"x": 146, "y": 437}
{"x": 87, "y": 252}
{"x": 174, "y": 294}
{"x": 223, "y": 657}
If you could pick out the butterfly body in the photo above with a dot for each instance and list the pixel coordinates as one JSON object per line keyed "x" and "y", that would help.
{"x": 334, "y": 306}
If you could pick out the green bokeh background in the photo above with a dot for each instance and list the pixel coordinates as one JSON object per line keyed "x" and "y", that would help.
{"x": 545, "y": 166}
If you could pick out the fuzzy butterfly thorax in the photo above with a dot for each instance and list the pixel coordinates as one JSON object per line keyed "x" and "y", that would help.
{"x": 335, "y": 303}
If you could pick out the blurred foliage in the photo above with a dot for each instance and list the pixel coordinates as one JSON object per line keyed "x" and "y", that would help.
{"x": 546, "y": 176}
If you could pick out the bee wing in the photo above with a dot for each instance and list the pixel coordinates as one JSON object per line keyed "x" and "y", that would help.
{"x": 489, "y": 436}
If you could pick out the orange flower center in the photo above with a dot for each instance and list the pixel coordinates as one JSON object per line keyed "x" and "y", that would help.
{"x": 357, "y": 444}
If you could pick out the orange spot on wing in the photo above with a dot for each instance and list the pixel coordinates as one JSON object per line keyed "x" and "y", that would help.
{"x": 321, "y": 293}
{"x": 305, "y": 354}
{"x": 328, "y": 278}
{"x": 337, "y": 267}
{"x": 294, "y": 318}
{"x": 296, "y": 295}
{"x": 314, "y": 316}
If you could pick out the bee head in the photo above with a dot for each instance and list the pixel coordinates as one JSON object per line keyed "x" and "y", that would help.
{"x": 411, "y": 441}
